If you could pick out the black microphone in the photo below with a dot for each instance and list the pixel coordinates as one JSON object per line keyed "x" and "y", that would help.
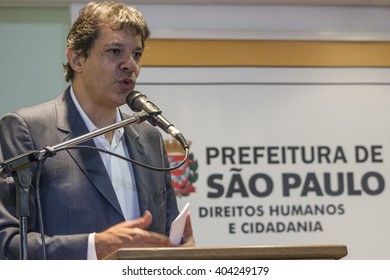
{"x": 138, "y": 102}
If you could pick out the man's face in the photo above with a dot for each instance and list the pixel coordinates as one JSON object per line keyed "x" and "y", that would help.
{"x": 110, "y": 71}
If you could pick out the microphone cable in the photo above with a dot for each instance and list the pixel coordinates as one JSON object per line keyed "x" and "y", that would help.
{"x": 131, "y": 160}
{"x": 39, "y": 206}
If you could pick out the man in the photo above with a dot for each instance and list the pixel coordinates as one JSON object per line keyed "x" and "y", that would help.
{"x": 92, "y": 203}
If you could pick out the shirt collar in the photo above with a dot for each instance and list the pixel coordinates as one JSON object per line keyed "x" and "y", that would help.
{"x": 118, "y": 133}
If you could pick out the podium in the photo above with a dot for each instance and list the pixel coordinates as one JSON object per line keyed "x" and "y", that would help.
{"x": 300, "y": 252}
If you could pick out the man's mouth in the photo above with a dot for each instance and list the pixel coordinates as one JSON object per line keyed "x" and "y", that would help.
{"x": 126, "y": 84}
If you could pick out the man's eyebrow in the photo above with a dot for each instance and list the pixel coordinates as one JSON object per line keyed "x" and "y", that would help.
{"x": 117, "y": 44}
{"x": 113, "y": 44}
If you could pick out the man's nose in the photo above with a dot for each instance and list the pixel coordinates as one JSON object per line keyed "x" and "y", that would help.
{"x": 129, "y": 64}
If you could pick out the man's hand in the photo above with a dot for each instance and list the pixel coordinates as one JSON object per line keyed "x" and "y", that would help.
{"x": 128, "y": 234}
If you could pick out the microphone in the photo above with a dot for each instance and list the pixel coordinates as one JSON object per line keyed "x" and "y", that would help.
{"x": 138, "y": 102}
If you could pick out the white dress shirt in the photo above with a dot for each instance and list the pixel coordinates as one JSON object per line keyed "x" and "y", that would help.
{"x": 120, "y": 171}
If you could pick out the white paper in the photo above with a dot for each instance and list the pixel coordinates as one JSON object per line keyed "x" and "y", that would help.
{"x": 177, "y": 226}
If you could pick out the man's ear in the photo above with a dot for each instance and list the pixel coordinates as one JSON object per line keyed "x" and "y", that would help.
{"x": 75, "y": 59}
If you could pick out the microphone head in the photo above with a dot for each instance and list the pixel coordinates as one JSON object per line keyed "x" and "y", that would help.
{"x": 138, "y": 102}
{"x": 134, "y": 101}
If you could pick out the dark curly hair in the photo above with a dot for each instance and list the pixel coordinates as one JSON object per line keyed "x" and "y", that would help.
{"x": 92, "y": 17}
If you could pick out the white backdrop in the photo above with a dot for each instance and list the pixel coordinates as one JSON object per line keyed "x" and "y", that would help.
{"x": 285, "y": 156}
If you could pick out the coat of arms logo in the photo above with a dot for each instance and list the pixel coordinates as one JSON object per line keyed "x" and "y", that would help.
{"x": 184, "y": 176}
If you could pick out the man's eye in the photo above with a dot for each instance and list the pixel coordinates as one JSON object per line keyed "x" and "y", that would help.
{"x": 114, "y": 51}
{"x": 137, "y": 55}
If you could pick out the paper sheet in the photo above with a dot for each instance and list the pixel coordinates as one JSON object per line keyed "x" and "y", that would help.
{"x": 177, "y": 226}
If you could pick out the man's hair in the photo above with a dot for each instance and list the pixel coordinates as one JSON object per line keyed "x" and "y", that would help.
{"x": 93, "y": 17}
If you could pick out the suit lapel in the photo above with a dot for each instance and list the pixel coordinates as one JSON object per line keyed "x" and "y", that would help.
{"x": 89, "y": 161}
{"x": 137, "y": 152}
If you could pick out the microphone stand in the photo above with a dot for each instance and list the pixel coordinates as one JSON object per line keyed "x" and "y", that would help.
{"x": 17, "y": 167}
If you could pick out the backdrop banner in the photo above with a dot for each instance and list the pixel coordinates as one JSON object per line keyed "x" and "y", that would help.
{"x": 281, "y": 156}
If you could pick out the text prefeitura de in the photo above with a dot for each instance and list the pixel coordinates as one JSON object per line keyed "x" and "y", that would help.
{"x": 293, "y": 154}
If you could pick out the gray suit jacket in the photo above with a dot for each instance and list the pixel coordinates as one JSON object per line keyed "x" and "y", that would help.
{"x": 77, "y": 196}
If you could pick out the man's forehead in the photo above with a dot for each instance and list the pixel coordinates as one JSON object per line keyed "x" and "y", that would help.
{"x": 110, "y": 36}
